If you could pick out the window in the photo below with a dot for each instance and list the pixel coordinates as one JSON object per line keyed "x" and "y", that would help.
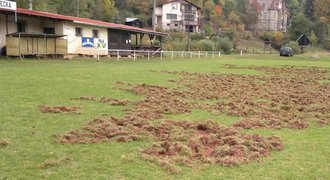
{"x": 21, "y": 26}
{"x": 78, "y": 31}
{"x": 188, "y": 8}
{"x": 95, "y": 33}
{"x": 171, "y": 16}
{"x": 189, "y": 17}
{"x": 174, "y": 6}
{"x": 49, "y": 30}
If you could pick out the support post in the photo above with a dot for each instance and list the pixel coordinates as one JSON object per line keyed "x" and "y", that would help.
{"x": 117, "y": 55}
{"x": 172, "y": 55}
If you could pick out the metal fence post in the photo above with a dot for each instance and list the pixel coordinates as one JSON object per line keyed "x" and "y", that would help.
{"x": 117, "y": 55}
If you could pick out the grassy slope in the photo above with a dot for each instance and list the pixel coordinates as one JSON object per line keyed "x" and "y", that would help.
{"x": 25, "y": 85}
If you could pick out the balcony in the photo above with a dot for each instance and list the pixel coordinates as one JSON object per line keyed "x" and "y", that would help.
{"x": 192, "y": 23}
{"x": 190, "y": 12}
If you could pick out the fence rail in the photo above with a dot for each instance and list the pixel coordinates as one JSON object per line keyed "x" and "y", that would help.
{"x": 134, "y": 54}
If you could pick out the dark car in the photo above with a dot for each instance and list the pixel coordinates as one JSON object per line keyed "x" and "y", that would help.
{"x": 286, "y": 51}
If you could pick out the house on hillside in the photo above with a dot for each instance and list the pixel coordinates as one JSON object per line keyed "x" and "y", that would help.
{"x": 134, "y": 22}
{"x": 177, "y": 15}
{"x": 273, "y": 15}
{"x": 35, "y": 33}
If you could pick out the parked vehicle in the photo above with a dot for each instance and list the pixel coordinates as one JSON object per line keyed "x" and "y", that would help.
{"x": 286, "y": 51}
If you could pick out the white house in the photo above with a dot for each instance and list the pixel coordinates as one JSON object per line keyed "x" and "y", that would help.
{"x": 177, "y": 15}
{"x": 273, "y": 15}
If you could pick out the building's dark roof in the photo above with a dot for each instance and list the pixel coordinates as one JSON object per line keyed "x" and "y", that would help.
{"x": 85, "y": 21}
{"x": 303, "y": 40}
{"x": 170, "y": 1}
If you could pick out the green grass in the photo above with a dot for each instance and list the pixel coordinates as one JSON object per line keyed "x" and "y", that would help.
{"x": 27, "y": 84}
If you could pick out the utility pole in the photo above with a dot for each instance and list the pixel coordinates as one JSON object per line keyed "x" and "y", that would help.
{"x": 154, "y": 16}
{"x": 30, "y": 5}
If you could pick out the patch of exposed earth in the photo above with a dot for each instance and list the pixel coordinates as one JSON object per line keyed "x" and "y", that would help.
{"x": 60, "y": 109}
{"x": 284, "y": 98}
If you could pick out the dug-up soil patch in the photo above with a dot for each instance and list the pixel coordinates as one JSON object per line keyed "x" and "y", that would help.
{"x": 60, "y": 109}
{"x": 114, "y": 102}
{"x": 283, "y": 98}
{"x": 286, "y": 97}
{"x": 179, "y": 142}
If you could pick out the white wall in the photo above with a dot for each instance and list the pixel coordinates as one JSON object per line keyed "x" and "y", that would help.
{"x": 167, "y": 9}
{"x": 75, "y": 43}
{"x": 2, "y": 30}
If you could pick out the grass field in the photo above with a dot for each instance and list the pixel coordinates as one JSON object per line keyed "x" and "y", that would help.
{"x": 29, "y": 149}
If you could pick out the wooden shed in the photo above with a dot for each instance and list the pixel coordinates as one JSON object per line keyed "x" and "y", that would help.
{"x": 27, "y": 44}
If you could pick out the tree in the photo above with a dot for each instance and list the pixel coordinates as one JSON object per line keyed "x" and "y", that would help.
{"x": 298, "y": 26}
{"x": 102, "y": 10}
{"x": 313, "y": 38}
{"x": 251, "y": 17}
{"x": 295, "y": 7}
{"x": 322, "y": 10}
{"x": 309, "y": 10}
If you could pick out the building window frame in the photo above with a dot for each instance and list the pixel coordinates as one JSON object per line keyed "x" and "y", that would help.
{"x": 95, "y": 33}
{"x": 78, "y": 31}
{"x": 171, "y": 16}
{"x": 21, "y": 27}
{"x": 174, "y": 6}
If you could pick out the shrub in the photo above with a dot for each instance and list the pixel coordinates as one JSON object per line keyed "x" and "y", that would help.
{"x": 266, "y": 36}
{"x": 294, "y": 46}
{"x": 196, "y": 37}
{"x": 326, "y": 44}
{"x": 207, "y": 45}
{"x": 208, "y": 29}
{"x": 246, "y": 35}
{"x": 224, "y": 45}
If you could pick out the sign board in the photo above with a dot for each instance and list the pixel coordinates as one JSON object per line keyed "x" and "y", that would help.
{"x": 101, "y": 44}
{"x": 87, "y": 42}
{"x": 8, "y": 5}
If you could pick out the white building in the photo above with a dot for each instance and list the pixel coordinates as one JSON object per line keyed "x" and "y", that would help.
{"x": 177, "y": 15}
{"x": 273, "y": 15}
{"x": 36, "y": 33}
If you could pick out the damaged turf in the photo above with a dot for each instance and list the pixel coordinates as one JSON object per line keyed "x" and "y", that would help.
{"x": 60, "y": 109}
{"x": 284, "y": 98}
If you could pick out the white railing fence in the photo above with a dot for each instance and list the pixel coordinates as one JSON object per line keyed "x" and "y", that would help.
{"x": 134, "y": 54}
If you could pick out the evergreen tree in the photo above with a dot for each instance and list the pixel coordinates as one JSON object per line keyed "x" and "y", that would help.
{"x": 309, "y": 10}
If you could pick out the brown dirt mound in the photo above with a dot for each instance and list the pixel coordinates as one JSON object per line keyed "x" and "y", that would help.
{"x": 87, "y": 98}
{"x": 179, "y": 141}
{"x": 59, "y": 109}
{"x": 4, "y": 142}
{"x": 114, "y": 102}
